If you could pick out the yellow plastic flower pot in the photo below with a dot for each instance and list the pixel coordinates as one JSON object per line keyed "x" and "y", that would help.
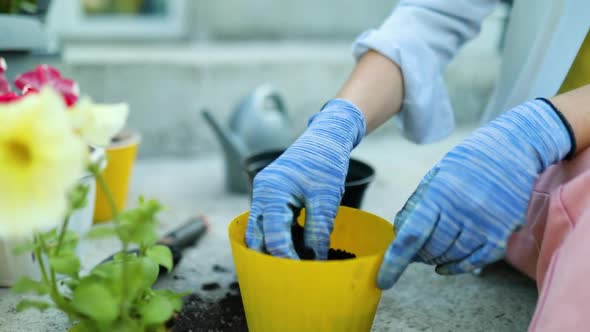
{"x": 293, "y": 295}
{"x": 121, "y": 155}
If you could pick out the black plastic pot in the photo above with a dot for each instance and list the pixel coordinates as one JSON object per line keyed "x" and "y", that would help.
{"x": 360, "y": 175}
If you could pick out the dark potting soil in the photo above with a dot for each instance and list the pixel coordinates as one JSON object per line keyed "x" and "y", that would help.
{"x": 334, "y": 254}
{"x": 306, "y": 253}
{"x": 210, "y": 286}
{"x": 200, "y": 315}
{"x": 220, "y": 269}
{"x": 227, "y": 314}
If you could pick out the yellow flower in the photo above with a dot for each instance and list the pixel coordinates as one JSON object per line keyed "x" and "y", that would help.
{"x": 40, "y": 160}
{"x": 98, "y": 123}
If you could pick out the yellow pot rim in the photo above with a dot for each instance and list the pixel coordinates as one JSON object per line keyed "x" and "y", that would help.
{"x": 309, "y": 262}
{"x": 130, "y": 137}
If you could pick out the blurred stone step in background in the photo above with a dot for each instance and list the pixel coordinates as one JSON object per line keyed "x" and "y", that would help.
{"x": 232, "y": 46}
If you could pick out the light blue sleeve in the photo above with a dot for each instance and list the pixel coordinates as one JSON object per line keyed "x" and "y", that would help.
{"x": 422, "y": 36}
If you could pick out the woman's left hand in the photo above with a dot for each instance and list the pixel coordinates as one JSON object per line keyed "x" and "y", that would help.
{"x": 464, "y": 210}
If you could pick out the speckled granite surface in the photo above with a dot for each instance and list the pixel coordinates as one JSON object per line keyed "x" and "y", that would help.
{"x": 499, "y": 300}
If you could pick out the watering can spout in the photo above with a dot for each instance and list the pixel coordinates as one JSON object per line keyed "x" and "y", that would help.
{"x": 232, "y": 146}
{"x": 235, "y": 151}
{"x": 257, "y": 124}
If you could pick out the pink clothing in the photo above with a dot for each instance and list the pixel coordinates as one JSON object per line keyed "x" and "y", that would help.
{"x": 553, "y": 245}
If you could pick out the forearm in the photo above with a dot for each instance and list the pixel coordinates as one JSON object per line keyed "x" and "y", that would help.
{"x": 400, "y": 64}
{"x": 375, "y": 86}
{"x": 575, "y": 106}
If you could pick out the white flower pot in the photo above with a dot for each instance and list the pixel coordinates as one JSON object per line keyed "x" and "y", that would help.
{"x": 13, "y": 267}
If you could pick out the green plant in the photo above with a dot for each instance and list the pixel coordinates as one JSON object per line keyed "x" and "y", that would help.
{"x": 113, "y": 296}
{"x": 19, "y": 6}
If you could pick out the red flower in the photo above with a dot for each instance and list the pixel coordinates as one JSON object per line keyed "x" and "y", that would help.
{"x": 4, "y": 84}
{"x": 28, "y": 90}
{"x": 9, "y": 97}
{"x": 33, "y": 81}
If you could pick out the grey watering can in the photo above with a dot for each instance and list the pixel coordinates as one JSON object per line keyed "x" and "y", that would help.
{"x": 258, "y": 123}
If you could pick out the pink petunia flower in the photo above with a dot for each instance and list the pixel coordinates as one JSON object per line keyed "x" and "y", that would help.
{"x": 4, "y": 83}
{"x": 32, "y": 81}
{"x": 9, "y": 97}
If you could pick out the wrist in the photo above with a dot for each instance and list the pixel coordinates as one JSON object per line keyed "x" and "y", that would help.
{"x": 573, "y": 105}
{"x": 342, "y": 119}
{"x": 541, "y": 132}
{"x": 567, "y": 125}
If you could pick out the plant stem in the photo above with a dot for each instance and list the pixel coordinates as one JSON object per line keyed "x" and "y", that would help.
{"x": 39, "y": 254}
{"x": 60, "y": 240}
{"x": 54, "y": 292}
{"x": 109, "y": 196}
{"x": 62, "y": 233}
{"x": 51, "y": 271}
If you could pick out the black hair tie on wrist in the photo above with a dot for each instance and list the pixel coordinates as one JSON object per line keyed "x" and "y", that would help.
{"x": 567, "y": 125}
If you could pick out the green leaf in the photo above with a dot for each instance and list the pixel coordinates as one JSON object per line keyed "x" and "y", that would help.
{"x": 142, "y": 274}
{"x": 110, "y": 274}
{"x": 129, "y": 255}
{"x": 157, "y": 310}
{"x": 161, "y": 255}
{"x": 50, "y": 236}
{"x": 101, "y": 232}
{"x": 127, "y": 325}
{"x": 83, "y": 326}
{"x": 150, "y": 271}
{"x": 174, "y": 298}
{"x": 25, "y": 247}
{"x": 139, "y": 233}
{"x": 90, "y": 325}
{"x": 28, "y": 285}
{"x": 65, "y": 263}
{"x": 32, "y": 304}
{"x": 107, "y": 270}
{"x": 70, "y": 242}
{"x": 158, "y": 328}
{"x": 139, "y": 225}
{"x": 70, "y": 283}
{"x": 77, "y": 197}
{"x": 94, "y": 300}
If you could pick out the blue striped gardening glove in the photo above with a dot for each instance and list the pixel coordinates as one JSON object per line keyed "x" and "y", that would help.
{"x": 310, "y": 174}
{"x": 464, "y": 210}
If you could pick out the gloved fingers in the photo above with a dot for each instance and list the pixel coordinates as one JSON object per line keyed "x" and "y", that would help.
{"x": 485, "y": 255}
{"x": 417, "y": 228}
{"x": 412, "y": 202}
{"x": 466, "y": 243}
{"x": 319, "y": 223}
{"x": 254, "y": 231}
{"x": 414, "y": 199}
{"x": 418, "y": 259}
{"x": 277, "y": 218}
{"x": 443, "y": 257}
{"x": 440, "y": 241}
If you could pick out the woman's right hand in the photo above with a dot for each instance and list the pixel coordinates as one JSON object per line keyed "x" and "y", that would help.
{"x": 310, "y": 174}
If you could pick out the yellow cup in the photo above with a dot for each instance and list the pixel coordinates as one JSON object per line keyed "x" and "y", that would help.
{"x": 121, "y": 155}
{"x": 293, "y": 295}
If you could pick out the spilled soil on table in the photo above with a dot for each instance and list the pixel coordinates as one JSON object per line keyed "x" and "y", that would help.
{"x": 226, "y": 314}
{"x": 223, "y": 315}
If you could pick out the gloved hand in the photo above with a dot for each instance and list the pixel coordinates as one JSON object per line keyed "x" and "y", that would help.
{"x": 310, "y": 174}
{"x": 466, "y": 207}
